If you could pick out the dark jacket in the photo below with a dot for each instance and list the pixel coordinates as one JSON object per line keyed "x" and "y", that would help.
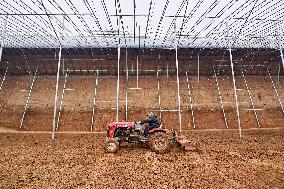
{"x": 153, "y": 121}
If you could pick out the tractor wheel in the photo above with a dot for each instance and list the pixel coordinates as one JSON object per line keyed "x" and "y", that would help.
{"x": 159, "y": 142}
{"x": 112, "y": 145}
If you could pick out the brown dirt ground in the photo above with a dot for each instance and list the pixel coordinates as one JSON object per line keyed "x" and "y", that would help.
{"x": 28, "y": 160}
{"x": 79, "y": 161}
{"x": 78, "y": 102}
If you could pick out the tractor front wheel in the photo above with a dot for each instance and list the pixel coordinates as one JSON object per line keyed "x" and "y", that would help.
{"x": 159, "y": 142}
{"x": 112, "y": 145}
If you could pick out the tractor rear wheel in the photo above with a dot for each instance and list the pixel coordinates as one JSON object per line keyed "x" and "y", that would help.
{"x": 112, "y": 145}
{"x": 159, "y": 142}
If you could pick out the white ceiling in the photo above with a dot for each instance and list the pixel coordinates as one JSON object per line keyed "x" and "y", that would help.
{"x": 162, "y": 23}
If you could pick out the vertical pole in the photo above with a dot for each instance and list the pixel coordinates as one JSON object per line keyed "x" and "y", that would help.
{"x": 56, "y": 87}
{"x": 198, "y": 67}
{"x": 61, "y": 102}
{"x": 137, "y": 71}
{"x": 178, "y": 93}
{"x": 3, "y": 36}
{"x": 126, "y": 86}
{"x": 139, "y": 37}
{"x": 234, "y": 84}
{"x": 159, "y": 97}
{"x": 94, "y": 99}
{"x": 190, "y": 100}
{"x": 56, "y": 96}
{"x": 118, "y": 61}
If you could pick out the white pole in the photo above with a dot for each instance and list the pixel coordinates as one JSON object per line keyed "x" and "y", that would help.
{"x": 137, "y": 71}
{"x": 56, "y": 87}
{"x": 159, "y": 97}
{"x": 56, "y": 96}
{"x": 61, "y": 101}
{"x": 3, "y": 36}
{"x": 118, "y": 60}
{"x": 126, "y": 90}
{"x": 94, "y": 99}
{"x": 234, "y": 84}
{"x": 178, "y": 93}
{"x": 190, "y": 100}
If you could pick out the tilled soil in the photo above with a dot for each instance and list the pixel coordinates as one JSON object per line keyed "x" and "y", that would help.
{"x": 79, "y": 161}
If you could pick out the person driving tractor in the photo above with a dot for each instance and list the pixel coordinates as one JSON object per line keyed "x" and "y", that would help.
{"x": 153, "y": 122}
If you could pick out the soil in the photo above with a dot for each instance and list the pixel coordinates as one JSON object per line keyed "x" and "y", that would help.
{"x": 28, "y": 159}
{"x": 76, "y": 114}
{"x": 79, "y": 161}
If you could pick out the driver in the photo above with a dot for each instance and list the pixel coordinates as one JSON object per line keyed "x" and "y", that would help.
{"x": 153, "y": 122}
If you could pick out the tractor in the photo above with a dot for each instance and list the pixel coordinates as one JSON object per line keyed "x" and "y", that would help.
{"x": 158, "y": 139}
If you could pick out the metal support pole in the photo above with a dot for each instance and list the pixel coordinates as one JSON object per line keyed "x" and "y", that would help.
{"x": 251, "y": 101}
{"x": 56, "y": 87}
{"x": 3, "y": 36}
{"x": 221, "y": 99}
{"x": 61, "y": 101}
{"x": 178, "y": 92}
{"x": 118, "y": 61}
{"x": 234, "y": 84}
{"x": 126, "y": 88}
{"x": 28, "y": 99}
{"x": 276, "y": 92}
{"x": 190, "y": 100}
{"x": 94, "y": 100}
{"x": 198, "y": 67}
{"x": 159, "y": 97}
{"x": 56, "y": 96}
{"x": 137, "y": 71}
{"x": 3, "y": 79}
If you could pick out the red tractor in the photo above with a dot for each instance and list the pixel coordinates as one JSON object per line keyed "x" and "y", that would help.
{"x": 159, "y": 139}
